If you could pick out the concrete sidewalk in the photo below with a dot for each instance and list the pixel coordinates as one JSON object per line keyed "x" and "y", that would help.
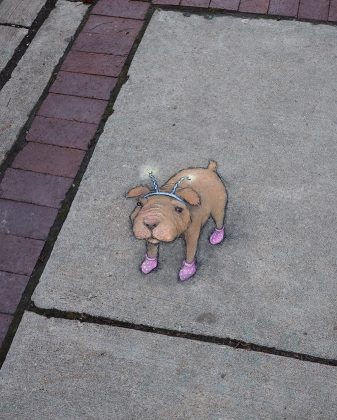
{"x": 259, "y": 96}
{"x": 250, "y": 94}
{"x": 63, "y": 369}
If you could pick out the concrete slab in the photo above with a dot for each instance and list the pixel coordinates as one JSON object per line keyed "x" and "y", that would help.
{"x": 62, "y": 369}
{"x": 22, "y": 91}
{"x": 20, "y": 12}
{"x": 10, "y": 39}
{"x": 259, "y": 96}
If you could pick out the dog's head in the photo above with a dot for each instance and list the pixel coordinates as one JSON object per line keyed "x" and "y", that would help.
{"x": 160, "y": 218}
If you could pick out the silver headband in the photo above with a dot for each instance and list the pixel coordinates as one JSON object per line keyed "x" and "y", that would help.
{"x": 172, "y": 194}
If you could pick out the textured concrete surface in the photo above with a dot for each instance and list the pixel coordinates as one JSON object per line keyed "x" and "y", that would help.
{"x": 260, "y": 97}
{"x": 10, "y": 39}
{"x": 20, "y": 12}
{"x": 21, "y": 92}
{"x": 61, "y": 369}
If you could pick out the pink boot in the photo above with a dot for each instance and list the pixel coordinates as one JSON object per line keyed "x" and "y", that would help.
{"x": 217, "y": 236}
{"x": 149, "y": 264}
{"x": 187, "y": 270}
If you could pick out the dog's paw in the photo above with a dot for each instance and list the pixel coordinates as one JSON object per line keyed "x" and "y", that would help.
{"x": 187, "y": 270}
{"x": 217, "y": 236}
{"x": 148, "y": 265}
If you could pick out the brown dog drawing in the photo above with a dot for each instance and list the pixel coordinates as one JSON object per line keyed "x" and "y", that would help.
{"x": 179, "y": 208}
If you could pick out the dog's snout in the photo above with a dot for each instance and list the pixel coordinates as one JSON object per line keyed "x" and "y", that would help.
{"x": 151, "y": 226}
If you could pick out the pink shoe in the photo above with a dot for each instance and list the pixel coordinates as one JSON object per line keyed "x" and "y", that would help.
{"x": 149, "y": 264}
{"x": 217, "y": 236}
{"x": 187, "y": 270}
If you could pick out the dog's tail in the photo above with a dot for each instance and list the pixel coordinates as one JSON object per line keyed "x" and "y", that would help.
{"x": 212, "y": 166}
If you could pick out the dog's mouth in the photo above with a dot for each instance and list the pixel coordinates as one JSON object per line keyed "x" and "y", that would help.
{"x": 153, "y": 241}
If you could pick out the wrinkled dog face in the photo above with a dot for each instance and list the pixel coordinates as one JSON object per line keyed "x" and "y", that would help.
{"x": 159, "y": 219}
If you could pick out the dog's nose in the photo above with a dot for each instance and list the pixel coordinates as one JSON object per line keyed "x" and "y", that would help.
{"x": 151, "y": 226}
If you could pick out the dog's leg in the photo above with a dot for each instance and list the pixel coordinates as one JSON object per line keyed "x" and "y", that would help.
{"x": 191, "y": 240}
{"x": 218, "y": 215}
{"x": 150, "y": 261}
{"x": 152, "y": 250}
{"x": 189, "y": 266}
{"x": 218, "y": 235}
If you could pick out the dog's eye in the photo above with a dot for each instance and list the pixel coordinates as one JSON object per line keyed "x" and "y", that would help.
{"x": 139, "y": 204}
{"x": 178, "y": 209}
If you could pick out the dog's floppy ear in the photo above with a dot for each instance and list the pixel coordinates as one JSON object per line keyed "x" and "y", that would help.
{"x": 138, "y": 191}
{"x": 190, "y": 196}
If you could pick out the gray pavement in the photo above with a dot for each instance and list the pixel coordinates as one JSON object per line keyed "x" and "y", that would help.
{"x": 60, "y": 369}
{"x": 20, "y": 12}
{"x": 259, "y": 96}
{"x": 20, "y": 94}
{"x": 10, "y": 39}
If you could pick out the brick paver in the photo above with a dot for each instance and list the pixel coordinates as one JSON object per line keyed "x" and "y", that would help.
{"x": 283, "y": 7}
{"x": 11, "y": 289}
{"x": 19, "y": 255}
{"x": 225, "y": 4}
{"x": 110, "y": 25}
{"x": 85, "y": 85}
{"x": 26, "y": 220}
{"x": 117, "y": 44}
{"x": 254, "y": 6}
{"x": 61, "y": 132}
{"x": 166, "y": 2}
{"x": 195, "y": 3}
{"x": 90, "y": 63}
{"x": 72, "y": 108}
{"x": 35, "y": 188}
{"x": 121, "y": 8}
{"x": 313, "y": 9}
{"x": 52, "y": 160}
{"x": 333, "y": 11}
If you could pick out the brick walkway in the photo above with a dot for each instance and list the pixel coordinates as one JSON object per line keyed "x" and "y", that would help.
{"x": 41, "y": 174}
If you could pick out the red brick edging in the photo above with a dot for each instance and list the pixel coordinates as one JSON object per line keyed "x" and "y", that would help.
{"x": 316, "y": 10}
{"x": 35, "y": 185}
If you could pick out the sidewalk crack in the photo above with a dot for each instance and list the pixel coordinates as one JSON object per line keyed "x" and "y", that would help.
{"x": 222, "y": 341}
